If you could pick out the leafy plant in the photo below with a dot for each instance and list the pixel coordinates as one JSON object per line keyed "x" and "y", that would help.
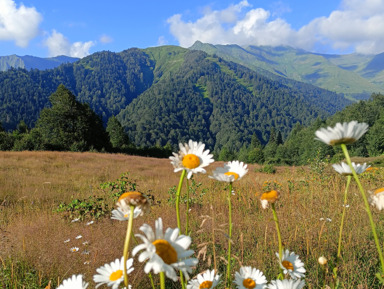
{"x": 196, "y": 193}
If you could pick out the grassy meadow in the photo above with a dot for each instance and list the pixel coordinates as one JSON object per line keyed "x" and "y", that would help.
{"x": 32, "y": 232}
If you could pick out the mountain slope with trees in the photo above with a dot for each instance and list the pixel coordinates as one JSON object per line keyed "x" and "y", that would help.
{"x": 168, "y": 94}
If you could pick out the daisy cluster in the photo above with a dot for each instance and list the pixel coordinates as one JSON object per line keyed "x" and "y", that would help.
{"x": 168, "y": 252}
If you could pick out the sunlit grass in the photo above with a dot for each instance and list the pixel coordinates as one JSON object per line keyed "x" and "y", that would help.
{"x": 32, "y": 234}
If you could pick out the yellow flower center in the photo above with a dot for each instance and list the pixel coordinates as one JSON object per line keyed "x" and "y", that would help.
{"x": 191, "y": 161}
{"x": 270, "y": 196}
{"x": 378, "y": 191}
{"x": 165, "y": 251}
{"x": 249, "y": 283}
{"x": 346, "y": 140}
{"x": 206, "y": 285}
{"x": 288, "y": 265}
{"x": 116, "y": 275}
{"x": 232, "y": 174}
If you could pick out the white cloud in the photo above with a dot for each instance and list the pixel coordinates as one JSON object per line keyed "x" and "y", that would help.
{"x": 357, "y": 26}
{"x": 105, "y": 39}
{"x": 162, "y": 41}
{"x": 59, "y": 45}
{"x": 19, "y": 24}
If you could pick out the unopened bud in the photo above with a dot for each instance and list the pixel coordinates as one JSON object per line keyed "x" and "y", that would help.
{"x": 322, "y": 260}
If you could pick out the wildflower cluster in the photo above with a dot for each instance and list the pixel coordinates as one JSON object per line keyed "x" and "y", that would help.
{"x": 167, "y": 252}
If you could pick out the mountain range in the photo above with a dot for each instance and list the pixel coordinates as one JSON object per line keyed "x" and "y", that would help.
{"x": 33, "y": 62}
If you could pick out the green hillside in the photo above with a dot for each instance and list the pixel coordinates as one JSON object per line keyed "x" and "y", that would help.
{"x": 169, "y": 94}
{"x": 345, "y": 74}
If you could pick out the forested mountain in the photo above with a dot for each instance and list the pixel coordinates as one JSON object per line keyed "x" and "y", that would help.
{"x": 32, "y": 62}
{"x": 169, "y": 94}
{"x": 357, "y": 76}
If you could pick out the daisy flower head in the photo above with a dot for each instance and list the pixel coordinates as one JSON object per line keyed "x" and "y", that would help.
{"x": 345, "y": 170}
{"x": 165, "y": 252}
{"x": 112, "y": 274}
{"x": 121, "y": 216}
{"x": 75, "y": 282}
{"x": 291, "y": 264}
{"x": 376, "y": 198}
{"x": 232, "y": 171}
{"x": 250, "y": 278}
{"x": 135, "y": 199}
{"x": 205, "y": 280}
{"x": 286, "y": 284}
{"x": 191, "y": 157}
{"x": 74, "y": 249}
{"x": 345, "y": 133}
{"x": 269, "y": 197}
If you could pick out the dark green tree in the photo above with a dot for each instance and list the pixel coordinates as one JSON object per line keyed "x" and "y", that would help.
{"x": 71, "y": 125}
{"x": 117, "y": 136}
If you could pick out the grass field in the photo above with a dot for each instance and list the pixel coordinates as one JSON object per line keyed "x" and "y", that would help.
{"x": 32, "y": 232}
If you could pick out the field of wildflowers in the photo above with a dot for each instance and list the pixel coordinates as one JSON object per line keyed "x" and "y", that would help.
{"x": 295, "y": 232}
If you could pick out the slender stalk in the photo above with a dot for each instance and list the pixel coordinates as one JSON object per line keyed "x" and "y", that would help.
{"x": 126, "y": 244}
{"x": 187, "y": 211}
{"x": 373, "y": 227}
{"x": 278, "y": 231}
{"x": 178, "y": 215}
{"x": 229, "y": 235}
{"x": 343, "y": 216}
{"x": 162, "y": 280}
{"x": 178, "y": 200}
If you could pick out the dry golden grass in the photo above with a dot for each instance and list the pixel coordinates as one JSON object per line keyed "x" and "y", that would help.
{"x": 33, "y": 184}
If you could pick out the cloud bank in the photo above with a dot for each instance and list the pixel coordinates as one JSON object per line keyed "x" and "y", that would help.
{"x": 357, "y": 26}
{"x": 19, "y": 24}
{"x": 59, "y": 45}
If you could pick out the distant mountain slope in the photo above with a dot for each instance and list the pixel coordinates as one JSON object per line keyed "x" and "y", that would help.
{"x": 32, "y": 62}
{"x": 169, "y": 94}
{"x": 356, "y": 76}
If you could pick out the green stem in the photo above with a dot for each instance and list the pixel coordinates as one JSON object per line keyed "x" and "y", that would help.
{"x": 178, "y": 215}
{"x": 278, "y": 231}
{"x": 187, "y": 211}
{"x": 229, "y": 235}
{"x": 178, "y": 200}
{"x": 126, "y": 244}
{"x": 345, "y": 151}
{"x": 343, "y": 216}
{"x": 162, "y": 280}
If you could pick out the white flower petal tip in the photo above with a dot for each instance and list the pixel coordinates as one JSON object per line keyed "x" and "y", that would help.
{"x": 191, "y": 157}
{"x": 232, "y": 171}
{"x": 292, "y": 265}
{"x": 376, "y": 198}
{"x": 112, "y": 274}
{"x": 345, "y": 170}
{"x": 249, "y": 277}
{"x": 75, "y": 282}
{"x": 345, "y": 133}
{"x": 165, "y": 252}
{"x": 208, "y": 279}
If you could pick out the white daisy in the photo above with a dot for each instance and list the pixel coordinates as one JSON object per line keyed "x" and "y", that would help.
{"x": 165, "y": 252}
{"x": 120, "y": 216}
{"x": 191, "y": 158}
{"x": 291, "y": 264}
{"x": 206, "y": 280}
{"x": 112, "y": 274}
{"x": 75, "y": 220}
{"x": 345, "y": 170}
{"x": 286, "y": 284}
{"x": 250, "y": 278}
{"x": 345, "y": 133}
{"x": 89, "y": 223}
{"x": 75, "y": 282}
{"x": 74, "y": 249}
{"x": 66, "y": 241}
{"x": 269, "y": 197}
{"x": 376, "y": 198}
{"x": 135, "y": 199}
{"x": 78, "y": 237}
{"x": 232, "y": 171}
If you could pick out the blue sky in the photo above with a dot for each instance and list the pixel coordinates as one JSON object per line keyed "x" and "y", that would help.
{"x": 78, "y": 28}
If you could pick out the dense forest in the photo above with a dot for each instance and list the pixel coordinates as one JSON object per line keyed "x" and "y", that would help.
{"x": 165, "y": 95}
